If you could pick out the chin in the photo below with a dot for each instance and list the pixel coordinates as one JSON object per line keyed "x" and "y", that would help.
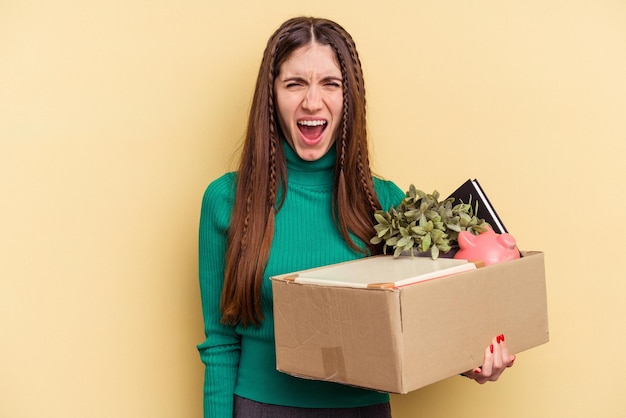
{"x": 311, "y": 155}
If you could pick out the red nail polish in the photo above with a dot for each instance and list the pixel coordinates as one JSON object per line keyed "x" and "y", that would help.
{"x": 501, "y": 337}
{"x": 498, "y": 339}
{"x": 491, "y": 348}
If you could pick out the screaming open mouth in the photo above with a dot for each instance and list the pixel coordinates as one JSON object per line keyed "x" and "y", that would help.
{"x": 311, "y": 130}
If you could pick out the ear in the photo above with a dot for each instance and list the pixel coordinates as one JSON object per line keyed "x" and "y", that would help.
{"x": 466, "y": 239}
{"x": 507, "y": 241}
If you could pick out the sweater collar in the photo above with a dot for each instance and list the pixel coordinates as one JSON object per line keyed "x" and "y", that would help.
{"x": 310, "y": 173}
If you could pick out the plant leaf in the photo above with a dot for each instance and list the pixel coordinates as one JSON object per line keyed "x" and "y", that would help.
{"x": 426, "y": 241}
{"x": 393, "y": 241}
{"x": 405, "y": 241}
{"x": 381, "y": 219}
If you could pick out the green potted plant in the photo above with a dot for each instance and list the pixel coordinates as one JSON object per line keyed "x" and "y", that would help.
{"x": 424, "y": 224}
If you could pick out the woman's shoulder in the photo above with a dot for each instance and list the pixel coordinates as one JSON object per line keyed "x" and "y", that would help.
{"x": 220, "y": 193}
{"x": 222, "y": 186}
{"x": 388, "y": 192}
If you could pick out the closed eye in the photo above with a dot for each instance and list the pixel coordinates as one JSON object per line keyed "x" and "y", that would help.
{"x": 291, "y": 83}
{"x": 332, "y": 82}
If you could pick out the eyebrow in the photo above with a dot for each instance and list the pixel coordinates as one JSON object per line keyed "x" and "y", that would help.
{"x": 333, "y": 78}
{"x": 324, "y": 79}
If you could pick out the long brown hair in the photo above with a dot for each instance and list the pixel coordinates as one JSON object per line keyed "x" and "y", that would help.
{"x": 262, "y": 174}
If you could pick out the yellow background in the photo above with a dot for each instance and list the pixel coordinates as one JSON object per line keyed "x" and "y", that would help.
{"x": 115, "y": 115}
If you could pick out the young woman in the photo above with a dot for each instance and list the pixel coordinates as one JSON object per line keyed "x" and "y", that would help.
{"x": 304, "y": 196}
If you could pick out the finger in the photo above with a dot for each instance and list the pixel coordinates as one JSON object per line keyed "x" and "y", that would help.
{"x": 511, "y": 360}
{"x": 507, "y": 358}
{"x": 501, "y": 357}
{"x": 488, "y": 361}
{"x": 479, "y": 377}
{"x": 475, "y": 374}
{"x": 498, "y": 363}
{"x": 504, "y": 351}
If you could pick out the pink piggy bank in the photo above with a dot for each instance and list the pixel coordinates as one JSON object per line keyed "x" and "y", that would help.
{"x": 489, "y": 247}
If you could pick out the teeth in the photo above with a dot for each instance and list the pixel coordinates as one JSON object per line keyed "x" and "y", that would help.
{"x": 311, "y": 122}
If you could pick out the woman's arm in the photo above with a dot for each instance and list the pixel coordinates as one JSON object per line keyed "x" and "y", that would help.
{"x": 220, "y": 350}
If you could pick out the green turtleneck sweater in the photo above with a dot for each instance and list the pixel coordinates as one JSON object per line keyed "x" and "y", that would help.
{"x": 241, "y": 360}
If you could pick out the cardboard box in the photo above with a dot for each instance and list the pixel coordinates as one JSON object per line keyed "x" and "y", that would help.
{"x": 401, "y": 339}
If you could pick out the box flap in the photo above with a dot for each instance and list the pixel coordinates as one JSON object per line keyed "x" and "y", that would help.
{"x": 382, "y": 271}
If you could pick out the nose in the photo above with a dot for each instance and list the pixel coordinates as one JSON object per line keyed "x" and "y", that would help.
{"x": 313, "y": 99}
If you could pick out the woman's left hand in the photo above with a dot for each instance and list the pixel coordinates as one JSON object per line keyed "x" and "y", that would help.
{"x": 497, "y": 359}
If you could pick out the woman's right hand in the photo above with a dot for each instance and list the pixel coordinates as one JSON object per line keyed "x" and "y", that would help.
{"x": 497, "y": 359}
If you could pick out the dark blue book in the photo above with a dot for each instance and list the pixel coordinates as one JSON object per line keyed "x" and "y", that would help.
{"x": 471, "y": 192}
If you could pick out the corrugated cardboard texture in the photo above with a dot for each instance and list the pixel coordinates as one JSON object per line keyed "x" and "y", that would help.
{"x": 402, "y": 339}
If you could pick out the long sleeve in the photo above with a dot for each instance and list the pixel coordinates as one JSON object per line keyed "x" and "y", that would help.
{"x": 220, "y": 351}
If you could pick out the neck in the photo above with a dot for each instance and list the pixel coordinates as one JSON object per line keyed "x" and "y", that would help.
{"x": 312, "y": 173}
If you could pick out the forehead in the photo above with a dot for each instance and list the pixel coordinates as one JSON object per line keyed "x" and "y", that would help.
{"x": 311, "y": 58}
